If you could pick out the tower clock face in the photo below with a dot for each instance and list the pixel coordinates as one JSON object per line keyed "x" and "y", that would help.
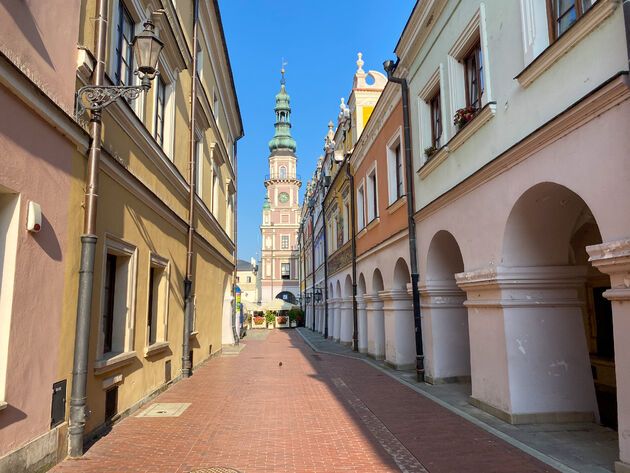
{"x": 283, "y": 197}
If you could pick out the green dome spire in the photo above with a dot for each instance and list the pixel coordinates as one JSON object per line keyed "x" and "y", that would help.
{"x": 282, "y": 138}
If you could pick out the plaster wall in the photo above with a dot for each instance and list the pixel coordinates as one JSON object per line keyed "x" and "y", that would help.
{"x": 515, "y": 116}
{"x": 37, "y": 170}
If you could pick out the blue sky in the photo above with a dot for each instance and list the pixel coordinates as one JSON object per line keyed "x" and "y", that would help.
{"x": 319, "y": 39}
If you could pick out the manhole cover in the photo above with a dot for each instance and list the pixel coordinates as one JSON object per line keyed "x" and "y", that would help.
{"x": 165, "y": 409}
{"x": 216, "y": 469}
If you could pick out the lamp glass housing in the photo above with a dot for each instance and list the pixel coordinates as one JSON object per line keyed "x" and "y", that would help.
{"x": 147, "y": 48}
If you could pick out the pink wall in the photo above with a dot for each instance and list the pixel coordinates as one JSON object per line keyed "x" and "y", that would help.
{"x": 36, "y": 163}
{"x": 43, "y": 37}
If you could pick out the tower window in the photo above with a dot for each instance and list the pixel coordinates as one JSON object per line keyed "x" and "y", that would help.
{"x": 285, "y": 270}
{"x": 285, "y": 242}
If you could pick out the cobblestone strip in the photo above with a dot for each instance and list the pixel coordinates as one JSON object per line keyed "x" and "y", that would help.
{"x": 403, "y": 458}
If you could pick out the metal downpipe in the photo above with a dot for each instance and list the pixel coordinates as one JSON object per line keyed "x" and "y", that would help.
{"x": 355, "y": 332}
{"x": 186, "y": 362}
{"x": 413, "y": 260}
{"x": 78, "y": 396}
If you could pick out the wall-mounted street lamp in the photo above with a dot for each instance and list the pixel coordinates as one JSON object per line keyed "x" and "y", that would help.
{"x": 308, "y": 296}
{"x": 318, "y": 295}
{"x": 146, "y": 49}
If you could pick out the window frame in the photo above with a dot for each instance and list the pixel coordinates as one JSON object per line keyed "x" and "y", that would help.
{"x": 282, "y": 272}
{"x": 473, "y": 59}
{"x": 553, "y": 21}
{"x": 395, "y": 168}
{"x": 284, "y": 239}
{"x": 435, "y": 111}
{"x": 157, "y": 301}
{"x": 372, "y": 194}
{"x": 122, "y": 13}
{"x": 360, "y": 209}
{"x": 159, "y": 106}
{"x": 121, "y": 249}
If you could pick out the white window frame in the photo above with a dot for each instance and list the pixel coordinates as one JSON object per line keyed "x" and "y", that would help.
{"x": 284, "y": 238}
{"x": 435, "y": 83}
{"x": 160, "y": 303}
{"x": 282, "y": 172}
{"x": 216, "y": 179}
{"x": 372, "y": 213}
{"x": 474, "y": 31}
{"x": 361, "y": 205}
{"x": 535, "y": 28}
{"x": 200, "y": 160}
{"x": 392, "y": 184}
{"x": 346, "y": 220}
{"x": 9, "y": 221}
{"x": 120, "y": 248}
{"x": 170, "y": 81}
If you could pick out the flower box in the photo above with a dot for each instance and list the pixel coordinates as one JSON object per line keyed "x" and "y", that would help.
{"x": 282, "y": 321}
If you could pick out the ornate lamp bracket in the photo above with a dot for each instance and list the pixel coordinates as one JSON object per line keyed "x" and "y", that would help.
{"x": 97, "y": 97}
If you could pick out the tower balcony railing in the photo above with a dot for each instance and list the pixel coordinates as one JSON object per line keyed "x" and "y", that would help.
{"x": 277, "y": 176}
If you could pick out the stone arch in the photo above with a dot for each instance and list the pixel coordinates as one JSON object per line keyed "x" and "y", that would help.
{"x": 377, "y": 281}
{"x": 447, "y": 345}
{"x": 347, "y": 287}
{"x": 401, "y": 275}
{"x": 361, "y": 287}
{"x": 545, "y": 261}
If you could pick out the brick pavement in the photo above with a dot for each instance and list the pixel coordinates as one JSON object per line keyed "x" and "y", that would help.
{"x": 315, "y": 413}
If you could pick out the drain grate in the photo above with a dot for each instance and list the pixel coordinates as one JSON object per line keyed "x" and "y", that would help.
{"x": 216, "y": 469}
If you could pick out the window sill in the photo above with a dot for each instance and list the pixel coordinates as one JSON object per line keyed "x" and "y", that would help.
{"x": 3, "y": 405}
{"x": 113, "y": 362}
{"x": 374, "y": 222}
{"x": 578, "y": 31}
{"x": 156, "y": 348}
{"x": 361, "y": 233}
{"x": 434, "y": 161}
{"x": 397, "y": 204}
{"x": 485, "y": 114}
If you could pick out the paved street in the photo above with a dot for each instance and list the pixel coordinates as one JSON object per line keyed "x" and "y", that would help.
{"x": 315, "y": 413}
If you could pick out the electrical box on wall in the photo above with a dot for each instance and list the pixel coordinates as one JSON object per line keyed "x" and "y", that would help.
{"x": 34, "y": 217}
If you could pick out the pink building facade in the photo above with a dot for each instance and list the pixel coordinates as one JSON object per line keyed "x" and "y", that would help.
{"x": 38, "y": 138}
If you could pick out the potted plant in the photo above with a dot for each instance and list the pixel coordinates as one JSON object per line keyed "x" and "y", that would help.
{"x": 463, "y": 116}
{"x": 293, "y": 317}
{"x": 270, "y": 318}
{"x": 282, "y": 321}
{"x": 259, "y": 320}
{"x": 428, "y": 152}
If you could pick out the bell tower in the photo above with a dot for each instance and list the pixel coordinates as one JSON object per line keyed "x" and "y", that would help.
{"x": 281, "y": 210}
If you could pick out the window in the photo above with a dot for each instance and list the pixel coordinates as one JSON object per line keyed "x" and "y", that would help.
{"x": 249, "y": 279}
{"x": 372, "y": 197}
{"x": 160, "y": 101}
{"x": 9, "y": 224}
{"x": 157, "y": 312}
{"x": 199, "y": 61}
{"x": 346, "y": 220}
{"x": 215, "y": 191}
{"x": 199, "y": 170}
{"x": 283, "y": 172}
{"x": 285, "y": 242}
{"x": 285, "y": 270}
{"x": 123, "y": 74}
{"x": 118, "y": 295}
{"x": 395, "y": 170}
{"x": 473, "y": 72}
{"x": 360, "y": 207}
{"x": 436, "y": 120}
{"x": 563, "y": 13}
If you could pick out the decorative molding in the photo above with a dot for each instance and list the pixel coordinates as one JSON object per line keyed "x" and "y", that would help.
{"x": 466, "y": 39}
{"x": 610, "y": 94}
{"x": 374, "y": 222}
{"x": 106, "y": 365}
{"x": 485, "y": 114}
{"x": 432, "y": 85}
{"x": 48, "y": 108}
{"x": 397, "y": 204}
{"x": 585, "y": 25}
{"x": 156, "y": 348}
{"x": 433, "y": 162}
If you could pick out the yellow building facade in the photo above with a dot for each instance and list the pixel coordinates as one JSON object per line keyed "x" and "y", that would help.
{"x": 137, "y": 314}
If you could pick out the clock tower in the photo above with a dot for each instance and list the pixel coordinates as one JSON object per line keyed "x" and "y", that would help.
{"x": 281, "y": 210}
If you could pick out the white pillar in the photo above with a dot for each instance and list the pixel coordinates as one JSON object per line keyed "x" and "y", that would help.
{"x": 362, "y": 323}
{"x": 346, "y": 321}
{"x": 400, "y": 341}
{"x": 613, "y": 258}
{"x": 331, "y": 318}
{"x": 375, "y": 326}
{"x": 445, "y": 332}
{"x": 528, "y": 351}
{"x": 336, "y": 318}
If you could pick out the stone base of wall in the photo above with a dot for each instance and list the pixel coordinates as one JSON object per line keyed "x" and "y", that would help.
{"x": 400, "y": 366}
{"x": 447, "y": 380}
{"x": 622, "y": 467}
{"x": 39, "y": 455}
{"x": 533, "y": 418}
